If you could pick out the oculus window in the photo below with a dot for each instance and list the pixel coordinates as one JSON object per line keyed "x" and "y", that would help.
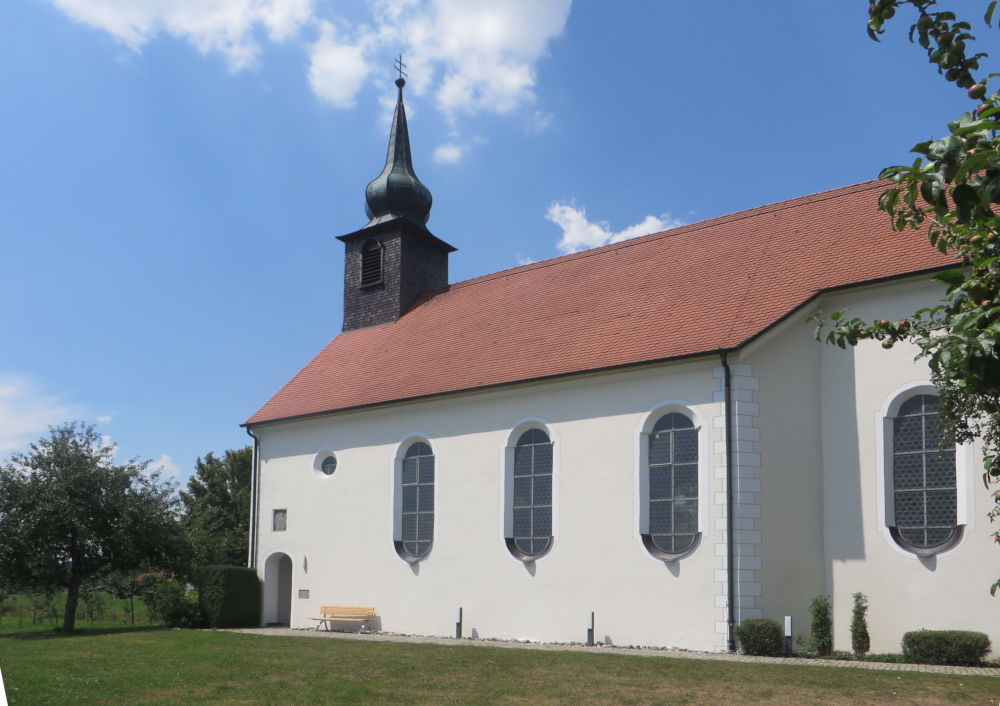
{"x": 672, "y": 482}
{"x": 529, "y": 496}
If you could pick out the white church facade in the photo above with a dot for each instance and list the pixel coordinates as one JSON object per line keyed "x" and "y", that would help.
{"x": 646, "y": 432}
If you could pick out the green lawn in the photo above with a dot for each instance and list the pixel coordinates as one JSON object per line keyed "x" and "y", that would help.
{"x": 183, "y": 666}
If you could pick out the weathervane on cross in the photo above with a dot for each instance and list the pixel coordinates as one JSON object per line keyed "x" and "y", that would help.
{"x": 399, "y": 66}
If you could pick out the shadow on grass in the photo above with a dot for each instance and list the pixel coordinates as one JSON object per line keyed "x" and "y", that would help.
{"x": 49, "y": 633}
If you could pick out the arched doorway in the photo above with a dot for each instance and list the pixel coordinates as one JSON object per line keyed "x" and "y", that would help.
{"x": 277, "y": 598}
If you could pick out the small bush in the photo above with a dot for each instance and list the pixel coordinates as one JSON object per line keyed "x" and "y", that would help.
{"x": 167, "y": 601}
{"x": 822, "y": 626}
{"x": 954, "y": 647}
{"x": 229, "y": 597}
{"x": 860, "y": 641}
{"x": 761, "y": 637}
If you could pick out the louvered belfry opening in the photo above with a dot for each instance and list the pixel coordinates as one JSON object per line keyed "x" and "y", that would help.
{"x": 371, "y": 263}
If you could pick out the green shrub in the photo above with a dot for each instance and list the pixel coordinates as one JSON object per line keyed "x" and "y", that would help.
{"x": 167, "y": 601}
{"x": 860, "y": 641}
{"x": 822, "y": 625}
{"x": 229, "y": 596}
{"x": 955, "y": 647}
{"x": 762, "y": 637}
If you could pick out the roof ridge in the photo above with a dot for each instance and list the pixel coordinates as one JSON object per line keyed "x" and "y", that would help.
{"x": 679, "y": 230}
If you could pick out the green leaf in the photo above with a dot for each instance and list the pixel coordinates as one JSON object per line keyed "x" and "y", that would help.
{"x": 973, "y": 164}
{"x": 953, "y": 278}
{"x": 990, "y": 9}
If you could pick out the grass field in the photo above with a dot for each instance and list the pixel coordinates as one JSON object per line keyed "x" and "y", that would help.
{"x": 45, "y": 611}
{"x": 149, "y": 665}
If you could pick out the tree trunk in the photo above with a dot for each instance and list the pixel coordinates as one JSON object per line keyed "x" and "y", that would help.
{"x": 72, "y": 598}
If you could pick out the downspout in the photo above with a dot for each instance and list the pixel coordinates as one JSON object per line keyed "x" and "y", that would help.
{"x": 730, "y": 559}
{"x": 254, "y": 500}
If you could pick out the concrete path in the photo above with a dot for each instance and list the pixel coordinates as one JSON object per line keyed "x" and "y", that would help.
{"x": 633, "y": 651}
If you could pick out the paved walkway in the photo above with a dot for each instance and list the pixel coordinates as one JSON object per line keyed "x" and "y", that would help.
{"x": 634, "y": 651}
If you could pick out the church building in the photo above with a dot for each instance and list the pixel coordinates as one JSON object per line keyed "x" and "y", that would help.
{"x": 645, "y": 435}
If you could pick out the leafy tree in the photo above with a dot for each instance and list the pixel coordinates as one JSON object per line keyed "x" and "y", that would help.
{"x": 951, "y": 191}
{"x": 217, "y": 508}
{"x": 68, "y": 512}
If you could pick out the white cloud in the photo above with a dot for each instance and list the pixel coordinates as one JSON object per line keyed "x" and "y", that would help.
{"x": 104, "y": 419}
{"x": 337, "y": 69}
{"x": 471, "y": 56}
{"x": 27, "y": 411}
{"x": 448, "y": 153}
{"x": 225, "y": 26}
{"x": 166, "y": 466}
{"x": 539, "y": 121}
{"x": 581, "y": 234}
{"x": 523, "y": 259}
{"x": 485, "y": 51}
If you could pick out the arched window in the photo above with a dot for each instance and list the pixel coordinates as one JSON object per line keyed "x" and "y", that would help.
{"x": 923, "y": 488}
{"x": 371, "y": 263}
{"x": 529, "y": 532}
{"x": 416, "y": 502}
{"x": 672, "y": 468}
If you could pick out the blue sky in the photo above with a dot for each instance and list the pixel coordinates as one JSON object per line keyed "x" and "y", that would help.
{"x": 174, "y": 173}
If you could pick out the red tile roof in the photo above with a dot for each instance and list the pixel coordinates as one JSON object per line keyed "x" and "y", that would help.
{"x": 695, "y": 289}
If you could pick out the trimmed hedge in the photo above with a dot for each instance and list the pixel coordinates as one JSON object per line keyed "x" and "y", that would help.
{"x": 229, "y": 597}
{"x": 761, "y": 637}
{"x": 954, "y": 647}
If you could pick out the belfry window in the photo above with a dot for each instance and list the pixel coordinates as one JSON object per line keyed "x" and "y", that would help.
{"x": 924, "y": 492}
{"x": 530, "y": 496}
{"x": 415, "y": 485}
{"x": 672, "y": 475}
{"x": 371, "y": 263}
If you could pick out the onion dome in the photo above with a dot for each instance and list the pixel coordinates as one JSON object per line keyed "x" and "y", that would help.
{"x": 396, "y": 192}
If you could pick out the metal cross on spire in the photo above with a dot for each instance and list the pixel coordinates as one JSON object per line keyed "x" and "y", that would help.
{"x": 399, "y": 66}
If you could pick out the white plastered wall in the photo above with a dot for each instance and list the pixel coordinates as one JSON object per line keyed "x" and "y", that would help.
{"x": 339, "y": 531}
{"x": 807, "y": 491}
{"x": 949, "y": 591}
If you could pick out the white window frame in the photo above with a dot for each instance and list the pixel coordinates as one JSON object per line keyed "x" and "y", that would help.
{"x": 397, "y": 496}
{"x": 507, "y": 487}
{"x": 885, "y": 507}
{"x": 641, "y": 499}
{"x": 320, "y": 456}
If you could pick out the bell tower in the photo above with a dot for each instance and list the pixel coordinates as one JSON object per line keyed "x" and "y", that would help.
{"x": 394, "y": 258}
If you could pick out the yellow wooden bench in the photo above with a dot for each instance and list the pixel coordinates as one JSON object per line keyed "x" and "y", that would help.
{"x": 345, "y": 614}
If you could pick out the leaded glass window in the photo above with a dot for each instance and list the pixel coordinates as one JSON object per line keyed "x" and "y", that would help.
{"x": 531, "y": 496}
{"x": 924, "y": 490}
{"x": 673, "y": 486}
{"x": 417, "y": 488}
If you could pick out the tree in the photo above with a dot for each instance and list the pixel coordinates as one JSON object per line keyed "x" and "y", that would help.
{"x": 217, "y": 508}
{"x": 950, "y": 191}
{"x": 68, "y": 512}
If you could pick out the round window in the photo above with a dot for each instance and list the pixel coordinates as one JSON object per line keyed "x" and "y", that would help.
{"x": 329, "y": 465}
